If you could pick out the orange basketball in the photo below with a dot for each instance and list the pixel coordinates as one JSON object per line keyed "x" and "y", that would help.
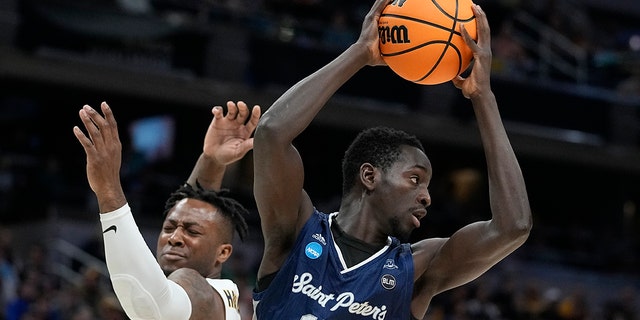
{"x": 420, "y": 40}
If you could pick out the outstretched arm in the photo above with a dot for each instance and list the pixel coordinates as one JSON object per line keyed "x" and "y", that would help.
{"x": 475, "y": 248}
{"x": 138, "y": 281}
{"x": 227, "y": 140}
{"x": 278, "y": 175}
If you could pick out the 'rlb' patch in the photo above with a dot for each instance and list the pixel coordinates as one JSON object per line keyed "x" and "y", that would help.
{"x": 388, "y": 281}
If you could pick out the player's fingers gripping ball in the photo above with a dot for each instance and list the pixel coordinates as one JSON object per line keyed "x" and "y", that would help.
{"x": 421, "y": 40}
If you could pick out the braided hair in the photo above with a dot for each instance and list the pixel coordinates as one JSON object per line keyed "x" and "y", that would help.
{"x": 229, "y": 207}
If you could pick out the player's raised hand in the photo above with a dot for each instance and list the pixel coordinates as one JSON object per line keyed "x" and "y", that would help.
{"x": 478, "y": 80}
{"x": 104, "y": 155}
{"x": 228, "y": 137}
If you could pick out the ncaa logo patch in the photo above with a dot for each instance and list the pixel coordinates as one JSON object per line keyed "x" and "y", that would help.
{"x": 313, "y": 250}
{"x": 388, "y": 281}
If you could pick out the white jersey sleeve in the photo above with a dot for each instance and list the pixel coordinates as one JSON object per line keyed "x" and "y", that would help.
{"x": 138, "y": 281}
{"x": 228, "y": 290}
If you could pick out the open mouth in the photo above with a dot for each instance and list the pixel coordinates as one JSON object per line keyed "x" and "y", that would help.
{"x": 417, "y": 216}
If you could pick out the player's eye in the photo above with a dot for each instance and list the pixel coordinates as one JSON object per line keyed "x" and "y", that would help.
{"x": 192, "y": 232}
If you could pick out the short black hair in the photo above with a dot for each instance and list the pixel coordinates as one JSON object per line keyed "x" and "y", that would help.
{"x": 229, "y": 207}
{"x": 379, "y": 146}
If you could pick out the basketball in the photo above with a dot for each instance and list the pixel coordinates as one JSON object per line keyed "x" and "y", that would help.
{"x": 420, "y": 40}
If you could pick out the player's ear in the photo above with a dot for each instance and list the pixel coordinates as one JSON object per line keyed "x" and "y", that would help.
{"x": 368, "y": 176}
{"x": 224, "y": 252}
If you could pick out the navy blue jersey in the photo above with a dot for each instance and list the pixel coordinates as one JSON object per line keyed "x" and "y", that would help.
{"x": 314, "y": 282}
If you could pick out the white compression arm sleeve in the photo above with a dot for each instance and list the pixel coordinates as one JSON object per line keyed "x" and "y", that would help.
{"x": 138, "y": 281}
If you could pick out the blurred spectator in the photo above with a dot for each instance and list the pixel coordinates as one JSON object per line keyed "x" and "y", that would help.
{"x": 624, "y": 114}
{"x": 510, "y": 59}
{"x": 630, "y": 86}
{"x": 531, "y": 306}
{"x": 20, "y": 305}
{"x": 624, "y": 306}
{"x": 109, "y": 308}
{"x": 505, "y": 295}
{"x": 8, "y": 273}
{"x": 338, "y": 35}
{"x": 83, "y": 312}
{"x": 91, "y": 288}
{"x": 573, "y": 307}
{"x": 480, "y": 306}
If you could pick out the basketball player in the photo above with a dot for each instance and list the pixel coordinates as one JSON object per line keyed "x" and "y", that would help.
{"x": 352, "y": 264}
{"x": 198, "y": 228}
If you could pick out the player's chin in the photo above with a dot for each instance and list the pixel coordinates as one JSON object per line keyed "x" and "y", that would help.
{"x": 169, "y": 266}
{"x": 402, "y": 228}
{"x": 404, "y": 234}
{"x": 168, "y": 269}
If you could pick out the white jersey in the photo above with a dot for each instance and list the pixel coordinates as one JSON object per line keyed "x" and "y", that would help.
{"x": 228, "y": 290}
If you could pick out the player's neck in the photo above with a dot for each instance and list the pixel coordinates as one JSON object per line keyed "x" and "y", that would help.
{"x": 353, "y": 249}
{"x": 356, "y": 221}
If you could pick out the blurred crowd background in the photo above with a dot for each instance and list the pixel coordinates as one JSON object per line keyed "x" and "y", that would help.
{"x": 566, "y": 74}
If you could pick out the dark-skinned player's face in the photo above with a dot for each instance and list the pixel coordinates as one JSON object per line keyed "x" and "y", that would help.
{"x": 403, "y": 193}
{"x": 191, "y": 236}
